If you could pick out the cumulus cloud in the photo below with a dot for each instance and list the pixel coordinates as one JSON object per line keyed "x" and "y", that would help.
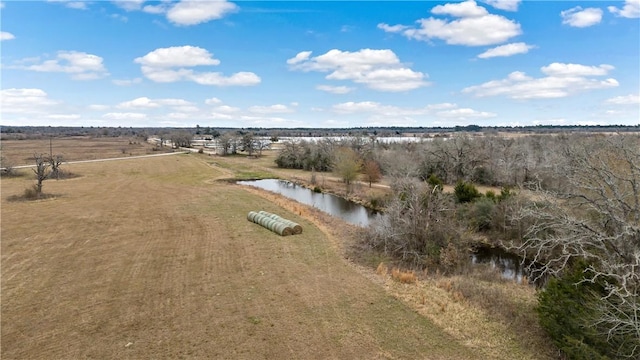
{"x": 129, "y": 5}
{"x": 631, "y": 99}
{"x": 172, "y": 64}
{"x": 300, "y": 57}
{"x": 579, "y": 17}
{"x": 25, "y": 100}
{"x": 561, "y": 69}
{"x": 462, "y": 9}
{"x": 193, "y": 12}
{"x": 80, "y": 65}
{"x": 175, "y": 56}
{"x": 6, "y": 36}
{"x": 335, "y": 89}
{"x": 126, "y": 82}
{"x": 506, "y": 50}
{"x": 79, "y": 5}
{"x": 124, "y": 116}
{"x": 631, "y": 9}
{"x": 507, "y": 5}
{"x": 146, "y": 103}
{"x": 561, "y": 81}
{"x": 474, "y": 26}
{"x": 63, "y": 116}
{"x": 182, "y": 13}
{"x": 97, "y": 107}
{"x": 378, "y": 112}
{"x": 213, "y": 101}
{"x": 376, "y": 69}
{"x": 272, "y": 109}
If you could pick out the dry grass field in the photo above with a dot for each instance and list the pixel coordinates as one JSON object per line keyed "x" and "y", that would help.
{"x": 20, "y": 152}
{"x": 154, "y": 258}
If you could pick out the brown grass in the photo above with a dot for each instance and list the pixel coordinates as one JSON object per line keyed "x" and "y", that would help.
{"x": 20, "y": 152}
{"x": 405, "y": 277}
{"x": 150, "y": 258}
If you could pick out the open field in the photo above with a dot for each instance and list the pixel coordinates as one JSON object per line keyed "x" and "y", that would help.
{"x": 148, "y": 258}
{"x": 20, "y": 152}
{"x": 154, "y": 258}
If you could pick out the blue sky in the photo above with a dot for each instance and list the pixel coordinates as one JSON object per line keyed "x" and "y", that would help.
{"x": 319, "y": 64}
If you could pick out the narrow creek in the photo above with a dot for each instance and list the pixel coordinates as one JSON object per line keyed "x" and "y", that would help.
{"x": 509, "y": 265}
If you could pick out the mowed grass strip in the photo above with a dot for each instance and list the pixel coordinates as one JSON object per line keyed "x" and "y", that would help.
{"x": 147, "y": 258}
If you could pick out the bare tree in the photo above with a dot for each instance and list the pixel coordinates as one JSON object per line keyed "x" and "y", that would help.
{"x": 595, "y": 216}
{"x": 55, "y": 161}
{"x": 41, "y": 171}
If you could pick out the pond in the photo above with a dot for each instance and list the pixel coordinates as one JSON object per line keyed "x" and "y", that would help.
{"x": 509, "y": 265}
{"x": 334, "y": 205}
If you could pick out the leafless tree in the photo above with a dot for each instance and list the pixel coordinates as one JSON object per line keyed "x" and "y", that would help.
{"x": 41, "y": 171}
{"x": 55, "y": 161}
{"x": 594, "y": 216}
{"x": 417, "y": 224}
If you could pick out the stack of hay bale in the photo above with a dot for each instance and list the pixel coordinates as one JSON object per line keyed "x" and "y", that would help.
{"x": 275, "y": 223}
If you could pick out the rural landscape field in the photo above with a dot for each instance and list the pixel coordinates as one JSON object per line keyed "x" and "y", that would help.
{"x": 221, "y": 179}
{"x": 154, "y": 257}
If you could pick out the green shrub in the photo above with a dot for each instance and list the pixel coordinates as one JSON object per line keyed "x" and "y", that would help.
{"x": 566, "y": 311}
{"x": 483, "y": 214}
{"x": 435, "y": 182}
{"x": 466, "y": 192}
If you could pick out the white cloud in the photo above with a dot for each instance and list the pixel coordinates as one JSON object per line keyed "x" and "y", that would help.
{"x": 213, "y": 101}
{"x": 377, "y": 69}
{"x": 6, "y": 36}
{"x": 80, "y": 65}
{"x": 380, "y": 114}
{"x": 465, "y": 114}
{"x": 177, "y": 56}
{"x": 126, "y": 82}
{"x": 193, "y": 12}
{"x": 124, "y": 116}
{"x": 97, "y": 107}
{"x": 507, "y": 5}
{"x": 561, "y": 69}
{"x": 392, "y": 28}
{"x": 129, "y": 5}
{"x": 335, "y": 89}
{"x": 506, "y": 50}
{"x": 156, "y": 9}
{"x": 631, "y": 9}
{"x": 630, "y": 99}
{"x": 300, "y": 57}
{"x": 562, "y": 80}
{"x": 24, "y": 100}
{"x": 475, "y": 26}
{"x": 119, "y": 17}
{"x": 79, "y": 5}
{"x": 63, "y": 116}
{"x": 226, "y": 109}
{"x": 578, "y": 17}
{"x": 272, "y": 109}
{"x": 170, "y": 64}
{"x": 146, "y": 103}
{"x": 462, "y": 9}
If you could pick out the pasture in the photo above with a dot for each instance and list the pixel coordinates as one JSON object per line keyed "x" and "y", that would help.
{"x": 154, "y": 258}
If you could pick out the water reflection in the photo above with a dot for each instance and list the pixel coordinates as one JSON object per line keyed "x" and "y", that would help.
{"x": 510, "y": 265}
{"x": 334, "y": 205}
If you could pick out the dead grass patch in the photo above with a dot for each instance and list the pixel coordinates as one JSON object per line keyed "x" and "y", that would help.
{"x": 405, "y": 277}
